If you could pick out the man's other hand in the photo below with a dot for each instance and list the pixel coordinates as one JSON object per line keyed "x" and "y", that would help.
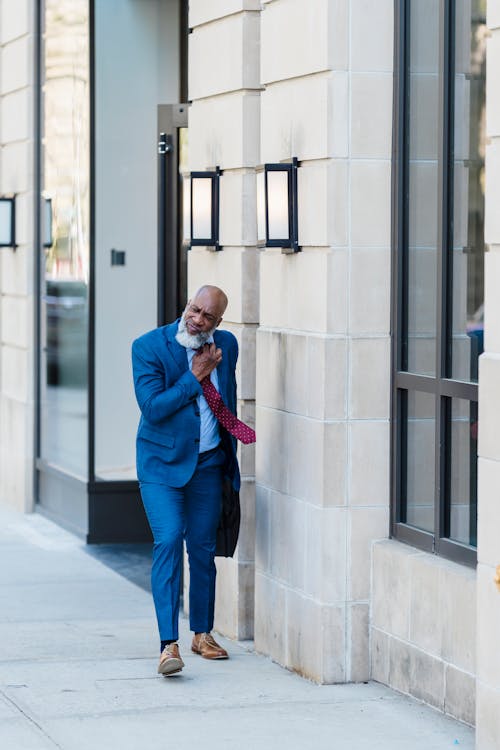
{"x": 205, "y": 360}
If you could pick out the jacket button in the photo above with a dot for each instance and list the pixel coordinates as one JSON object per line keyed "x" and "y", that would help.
{"x": 197, "y": 440}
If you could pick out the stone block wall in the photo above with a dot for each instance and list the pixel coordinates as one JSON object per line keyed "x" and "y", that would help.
{"x": 224, "y": 87}
{"x": 17, "y": 268}
{"x": 323, "y": 345}
{"x": 488, "y": 595}
{"x": 423, "y": 627}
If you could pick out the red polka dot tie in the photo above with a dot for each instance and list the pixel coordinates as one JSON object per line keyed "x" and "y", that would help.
{"x": 236, "y": 427}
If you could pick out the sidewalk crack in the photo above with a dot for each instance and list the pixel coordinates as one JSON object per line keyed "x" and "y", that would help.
{"x": 26, "y": 715}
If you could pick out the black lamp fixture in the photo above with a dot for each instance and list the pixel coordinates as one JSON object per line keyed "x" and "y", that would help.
{"x": 8, "y": 222}
{"x": 204, "y": 208}
{"x": 277, "y": 219}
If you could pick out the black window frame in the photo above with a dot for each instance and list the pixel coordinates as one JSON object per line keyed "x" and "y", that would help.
{"x": 443, "y": 388}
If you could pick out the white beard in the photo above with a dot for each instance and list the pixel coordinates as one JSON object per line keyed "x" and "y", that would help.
{"x": 189, "y": 341}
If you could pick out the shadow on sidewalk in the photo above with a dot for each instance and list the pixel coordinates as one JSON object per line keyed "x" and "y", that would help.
{"x": 132, "y": 561}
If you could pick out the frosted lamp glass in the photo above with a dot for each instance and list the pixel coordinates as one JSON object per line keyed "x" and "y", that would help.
{"x": 6, "y": 208}
{"x": 261, "y": 207}
{"x": 277, "y": 205}
{"x": 202, "y": 208}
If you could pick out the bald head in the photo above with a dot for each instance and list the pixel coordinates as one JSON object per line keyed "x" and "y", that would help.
{"x": 212, "y": 297}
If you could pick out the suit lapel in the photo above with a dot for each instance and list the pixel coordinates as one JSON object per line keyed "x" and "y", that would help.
{"x": 177, "y": 352}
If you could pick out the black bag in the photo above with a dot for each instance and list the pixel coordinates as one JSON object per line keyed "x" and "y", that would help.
{"x": 229, "y": 522}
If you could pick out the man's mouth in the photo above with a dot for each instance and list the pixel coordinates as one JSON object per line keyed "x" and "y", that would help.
{"x": 191, "y": 328}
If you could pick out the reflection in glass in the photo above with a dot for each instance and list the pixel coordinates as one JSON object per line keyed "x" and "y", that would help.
{"x": 66, "y": 180}
{"x": 423, "y": 122}
{"x": 419, "y": 453}
{"x": 463, "y": 472}
{"x": 469, "y": 146}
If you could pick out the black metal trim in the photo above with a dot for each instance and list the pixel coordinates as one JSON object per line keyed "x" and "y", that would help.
{"x": 91, "y": 422}
{"x": 289, "y": 245}
{"x": 12, "y": 239}
{"x": 37, "y": 189}
{"x": 442, "y": 386}
{"x": 213, "y": 240}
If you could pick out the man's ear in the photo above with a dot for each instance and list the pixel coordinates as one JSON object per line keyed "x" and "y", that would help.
{"x": 218, "y": 324}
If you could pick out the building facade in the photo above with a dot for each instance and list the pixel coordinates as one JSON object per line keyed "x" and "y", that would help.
{"x": 368, "y": 360}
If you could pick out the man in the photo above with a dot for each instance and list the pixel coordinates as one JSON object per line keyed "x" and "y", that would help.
{"x": 185, "y": 446}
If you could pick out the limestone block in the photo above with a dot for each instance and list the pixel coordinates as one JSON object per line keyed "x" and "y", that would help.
{"x": 238, "y": 218}
{"x": 288, "y": 542}
{"x": 492, "y": 67}
{"x": 487, "y": 715}
{"x": 488, "y": 626}
{"x": 314, "y": 196}
{"x": 400, "y": 665}
{"x": 301, "y": 374}
{"x": 17, "y": 173}
{"x": 488, "y": 511}
{"x": 14, "y": 373}
{"x": 492, "y": 301}
{"x": 16, "y": 453}
{"x": 228, "y": 147}
{"x": 327, "y": 377}
{"x": 426, "y": 611}
{"x": 263, "y": 530}
{"x": 493, "y": 15}
{"x": 300, "y": 291}
{"x": 460, "y": 694}
{"x": 427, "y": 679}
{"x": 235, "y": 269}
{"x": 325, "y": 554}
{"x": 365, "y": 525}
{"x": 16, "y": 64}
{"x": 369, "y": 463}
{"x": 370, "y": 378}
{"x": 457, "y": 602}
{"x": 271, "y": 465}
{"x": 391, "y": 587}
{"x": 370, "y": 50}
{"x": 15, "y": 116}
{"x": 246, "y": 596}
{"x": 379, "y": 656}
{"x": 334, "y": 490}
{"x": 270, "y": 617}
{"x": 371, "y": 102}
{"x": 15, "y": 270}
{"x": 317, "y": 131}
{"x": 489, "y": 406}
{"x": 226, "y": 596}
{"x": 304, "y": 48}
{"x": 16, "y": 19}
{"x": 202, "y": 12}
{"x": 371, "y": 203}
{"x": 246, "y": 540}
{"x": 16, "y": 321}
{"x": 358, "y": 642}
{"x": 316, "y": 639}
{"x": 370, "y": 291}
{"x": 246, "y": 453}
{"x": 492, "y": 193}
{"x": 224, "y": 56}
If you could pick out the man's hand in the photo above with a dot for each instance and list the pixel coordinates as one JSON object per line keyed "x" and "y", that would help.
{"x": 205, "y": 360}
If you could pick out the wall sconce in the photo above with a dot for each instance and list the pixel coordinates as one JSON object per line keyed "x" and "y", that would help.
{"x": 277, "y": 221}
{"x": 204, "y": 208}
{"x": 47, "y": 223}
{"x": 8, "y": 222}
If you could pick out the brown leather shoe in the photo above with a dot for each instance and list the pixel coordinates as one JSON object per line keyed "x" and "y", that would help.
{"x": 170, "y": 660}
{"x": 205, "y": 645}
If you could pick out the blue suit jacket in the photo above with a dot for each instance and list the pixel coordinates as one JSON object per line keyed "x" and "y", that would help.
{"x": 168, "y": 436}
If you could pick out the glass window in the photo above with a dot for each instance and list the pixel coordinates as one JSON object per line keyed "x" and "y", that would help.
{"x": 439, "y": 280}
{"x": 64, "y": 313}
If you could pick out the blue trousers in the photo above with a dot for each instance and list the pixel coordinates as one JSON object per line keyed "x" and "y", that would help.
{"x": 192, "y": 513}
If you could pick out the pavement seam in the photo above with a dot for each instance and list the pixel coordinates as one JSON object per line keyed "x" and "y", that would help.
{"x": 30, "y": 719}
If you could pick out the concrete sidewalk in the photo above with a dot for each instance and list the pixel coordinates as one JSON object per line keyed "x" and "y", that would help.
{"x": 78, "y": 657}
